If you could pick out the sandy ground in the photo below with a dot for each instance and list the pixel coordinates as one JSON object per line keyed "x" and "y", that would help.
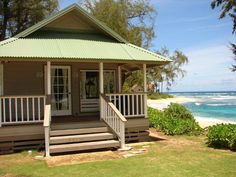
{"x": 203, "y": 122}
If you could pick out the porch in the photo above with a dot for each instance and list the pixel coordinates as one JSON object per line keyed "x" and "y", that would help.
{"x": 28, "y": 121}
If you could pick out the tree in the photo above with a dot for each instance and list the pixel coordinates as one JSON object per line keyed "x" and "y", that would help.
{"x": 170, "y": 72}
{"x": 132, "y": 19}
{"x": 227, "y": 7}
{"x": 233, "y": 48}
{"x": 18, "y": 15}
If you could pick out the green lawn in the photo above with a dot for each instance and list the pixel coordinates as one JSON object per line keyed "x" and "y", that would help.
{"x": 177, "y": 156}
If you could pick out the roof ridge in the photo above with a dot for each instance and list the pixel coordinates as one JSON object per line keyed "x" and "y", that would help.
{"x": 127, "y": 52}
{"x": 149, "y": 52}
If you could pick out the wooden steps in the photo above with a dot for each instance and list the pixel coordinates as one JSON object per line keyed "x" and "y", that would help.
{"x": 83, "y": 146}
{"x": 78, "y": 131}
{"x": 81, "y": 139}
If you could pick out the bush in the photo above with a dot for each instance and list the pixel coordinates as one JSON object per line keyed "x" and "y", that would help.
{"x": 222, "y": 136}
{"x": 156, "y": 96}
{"x": 174, "y": 120}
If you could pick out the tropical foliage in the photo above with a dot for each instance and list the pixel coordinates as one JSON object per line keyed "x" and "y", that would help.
{"x": 17, "y": 15}
{"x": 174, "y": 120}
{"x": 222, "y": 136}
{"x": 156, "y": 96}
{"x": 228, "y": 7}
{"x": 169, "y": 73}
{"x": 136, "y": 25}
{"x": 133, "y": 20}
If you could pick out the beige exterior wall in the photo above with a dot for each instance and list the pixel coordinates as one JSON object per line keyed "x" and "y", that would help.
{"x": 27, "y": 78}
{"x": 71, "y": 21}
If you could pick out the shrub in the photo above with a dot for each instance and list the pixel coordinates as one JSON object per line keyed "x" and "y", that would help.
{"x": 156, "y": 96}
{"x": 222, "y": 136}
{"x": 174, "y": 120}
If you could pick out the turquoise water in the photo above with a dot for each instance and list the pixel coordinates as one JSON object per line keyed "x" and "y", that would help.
{"x": 217, "y": 105}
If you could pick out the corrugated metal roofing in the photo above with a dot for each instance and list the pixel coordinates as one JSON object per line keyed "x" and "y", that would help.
{"x": 34, "y": 43}
{"x": 67, "y": 48}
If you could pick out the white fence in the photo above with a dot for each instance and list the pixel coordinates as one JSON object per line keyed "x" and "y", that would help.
{"x": 21, "y": 109}
{"x": 130, "y": 104}
{"x": 113, "y": 118}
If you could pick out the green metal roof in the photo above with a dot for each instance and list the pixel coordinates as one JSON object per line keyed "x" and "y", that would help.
{"x": 68, "y": 48}
{"x": 36, "y": 43}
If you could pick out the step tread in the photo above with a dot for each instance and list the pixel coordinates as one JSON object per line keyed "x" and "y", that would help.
{"x": 78, "y": 131}
{"x": 83, "y": 146}
{"x": 81, "y": 138}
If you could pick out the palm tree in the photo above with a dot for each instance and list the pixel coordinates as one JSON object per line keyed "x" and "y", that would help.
{"x": 233, "y": 48}
{"x": 169, "y": 73}
{"x": 227, "y": 7}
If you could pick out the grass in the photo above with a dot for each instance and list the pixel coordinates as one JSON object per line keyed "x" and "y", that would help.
{"x": 177, "y": 156}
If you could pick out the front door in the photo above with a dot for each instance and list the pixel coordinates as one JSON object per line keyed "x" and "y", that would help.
{"x": 61, "y": 90}
{"x": 89, "y": 88}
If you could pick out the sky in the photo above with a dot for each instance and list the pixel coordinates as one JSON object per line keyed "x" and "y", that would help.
{"x": 194, "y": 28}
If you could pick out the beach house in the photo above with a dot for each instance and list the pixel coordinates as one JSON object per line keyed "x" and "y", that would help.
{"x": 61, "y": 86}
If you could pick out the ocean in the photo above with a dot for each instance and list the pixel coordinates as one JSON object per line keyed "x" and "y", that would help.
{"x": 212, "y": 105}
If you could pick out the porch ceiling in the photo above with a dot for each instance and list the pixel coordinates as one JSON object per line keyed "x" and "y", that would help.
{"x": 76, "y": 49}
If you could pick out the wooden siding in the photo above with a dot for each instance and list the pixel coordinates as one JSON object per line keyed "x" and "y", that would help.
{"x": 71, "y": 21}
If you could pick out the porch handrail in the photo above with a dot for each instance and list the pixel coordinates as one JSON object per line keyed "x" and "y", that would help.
{"x": 19, "y": 109}
{"x": 130, "y": 104}
{"x": 47, "y": 125}
{"x": 113, "y": 118}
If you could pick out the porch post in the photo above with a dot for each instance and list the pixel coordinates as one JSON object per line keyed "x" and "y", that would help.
{"x": 101, "y": 86}
{"x": 145, "y": 88}
{"x": 47, "y": 111}
{"x": 119, "y": 80}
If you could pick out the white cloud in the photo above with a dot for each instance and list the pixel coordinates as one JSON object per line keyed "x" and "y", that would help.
{"x": 208, "y": 69}
{"x": 189, "y": 20}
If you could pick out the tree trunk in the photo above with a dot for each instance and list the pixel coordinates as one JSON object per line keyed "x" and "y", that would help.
{"x": 6, "y": 16}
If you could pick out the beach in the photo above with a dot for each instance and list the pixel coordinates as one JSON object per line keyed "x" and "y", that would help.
{"x": 203, "y": 121}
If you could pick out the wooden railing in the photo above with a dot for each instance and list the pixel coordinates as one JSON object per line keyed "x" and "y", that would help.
{"x": 113, "y": 118}
{"x": 21, "y": 109}
{"x": 130, "y": 104}
{"x": 47, "y": 125}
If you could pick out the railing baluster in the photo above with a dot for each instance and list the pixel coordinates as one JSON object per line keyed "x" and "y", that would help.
{"x": 39, "y": 110}
{"x": 16, "y": 110}
{"x": 27, "y": 108}
{"x": 22, "y": 109}
{"x": 115, "y": 100}
{"x": 137, "y": 103}
{"x": 119, "y": 102}
{"x": 10, "y": 113}
{"x": 128, "y": 105}
{"x": 133, "y": 104}
{"x": 124, "y": 112}
{"x": 33, "y": 113}
{"x": 4, "y": 110}
{"x": 141, "y": 101}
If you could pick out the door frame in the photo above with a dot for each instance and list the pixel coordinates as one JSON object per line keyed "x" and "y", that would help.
{"x": 92, "y": 105}
{"x": 62, "y": 112}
